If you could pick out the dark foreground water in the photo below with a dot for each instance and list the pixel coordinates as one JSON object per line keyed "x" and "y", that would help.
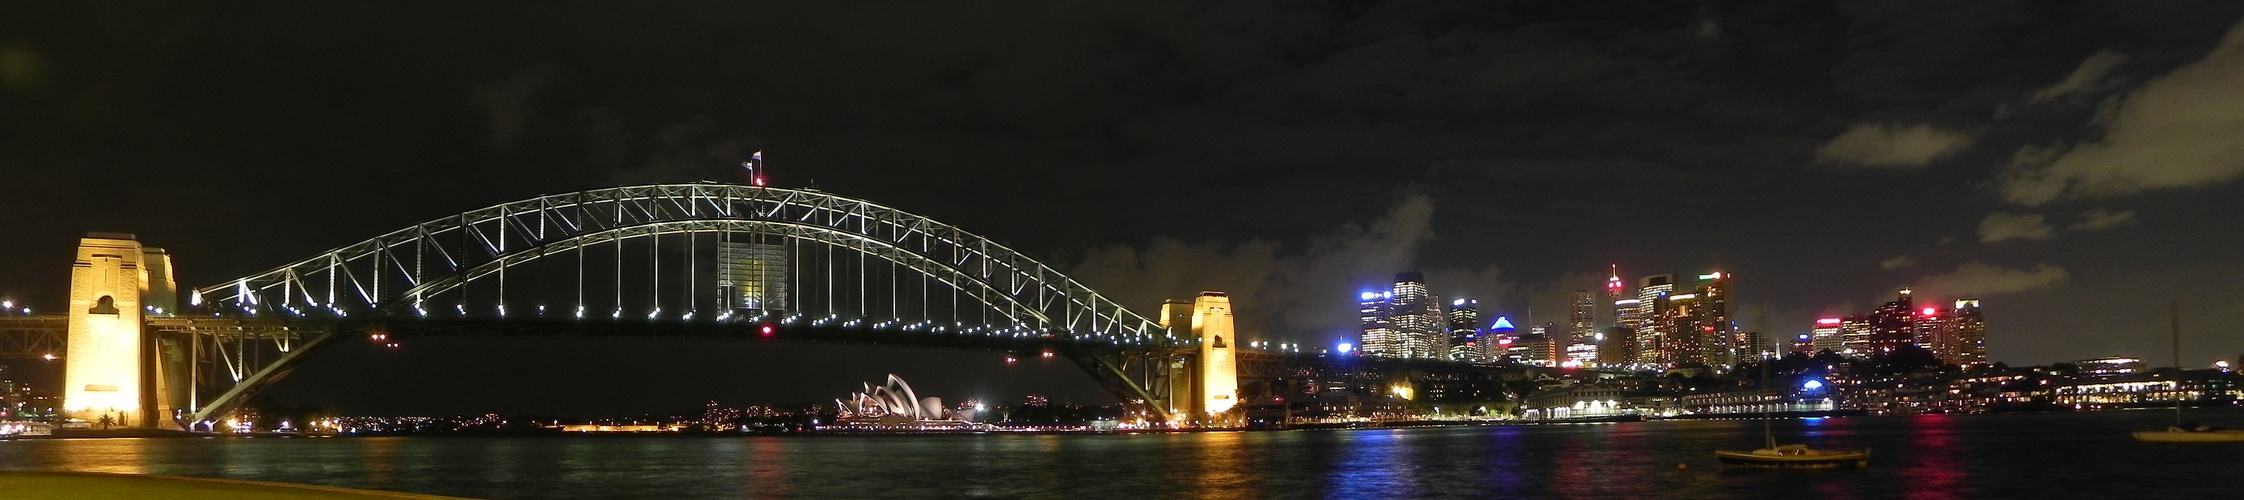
{"x": 2076, "y": 455}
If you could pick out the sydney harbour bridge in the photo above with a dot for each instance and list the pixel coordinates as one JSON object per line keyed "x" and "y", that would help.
{"x": 676, "y": 260}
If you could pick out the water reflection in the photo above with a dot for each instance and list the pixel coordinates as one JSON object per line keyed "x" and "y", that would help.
{"x": 767, "y": 466}
{"x": 117, "y": 456}
{"x": 1934, "y": 469}
{"x": 1218, "y": 459}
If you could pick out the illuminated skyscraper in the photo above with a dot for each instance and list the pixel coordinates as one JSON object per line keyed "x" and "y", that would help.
{"x": 1581, "y": 331}
{"x": 1893, "y": 325}
{"x": 1499, "y": 339}
{"x": 1379, "y": 338}
{"x": 1651, "y": 332}
{"x": 1417, "y": 318}
{"x": 1718, "y": 343}
{"x": 1685, "y": 337}
{"x": 1856, "y": 334}
{"x": 1826, "y": 336}
{"x": 1464, "y": 331}
{"x": 1967, "y": 334}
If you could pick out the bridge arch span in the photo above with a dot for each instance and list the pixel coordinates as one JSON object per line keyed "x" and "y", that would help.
{"x": 402, "y": 275}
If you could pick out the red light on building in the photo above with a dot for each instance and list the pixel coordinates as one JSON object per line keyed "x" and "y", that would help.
{"x": 1709, "y": 328}
{"x": 1827, "y": 321}
{"x": 1932, "y": 311}
{"x": 767, "y": 330}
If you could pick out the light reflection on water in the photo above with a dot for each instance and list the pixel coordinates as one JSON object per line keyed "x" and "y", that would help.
{"x": 1931, "y": 457}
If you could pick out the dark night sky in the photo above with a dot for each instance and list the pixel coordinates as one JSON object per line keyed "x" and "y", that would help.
{"x": 2074, "y": 164}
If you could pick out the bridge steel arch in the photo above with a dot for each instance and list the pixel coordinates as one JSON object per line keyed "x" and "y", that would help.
{"x": 387, "y": 278}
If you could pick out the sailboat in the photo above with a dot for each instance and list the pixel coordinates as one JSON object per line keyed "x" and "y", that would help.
{"x": 2182, "y": 432}
{"x": 1789, "y": 456}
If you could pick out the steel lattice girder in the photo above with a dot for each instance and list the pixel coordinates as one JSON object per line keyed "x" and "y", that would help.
{"x": 382, "y": 272}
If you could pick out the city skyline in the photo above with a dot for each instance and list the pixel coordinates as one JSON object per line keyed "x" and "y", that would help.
{"x": 2068, "y": 164}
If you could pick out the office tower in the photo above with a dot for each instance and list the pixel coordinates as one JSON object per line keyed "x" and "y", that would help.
{"x": 1718, "y": 344}
{"x": 1651, "y": 331}
{"x": 1684, "y": 337}
{"x": 1855, "y": 335}
{"x": 1497, "y": 340}
{"x": 1826, "y": 336}
{"x": 1893, "y": 325}
{"x": 1417, "y": 319}
{"x": 1931, "y": 331}
{"x": 1968, "y": 334}
{"x": 1464, "y": 331}
{"x": 1581, "y": 319}
{"x": 1379, "y": 338}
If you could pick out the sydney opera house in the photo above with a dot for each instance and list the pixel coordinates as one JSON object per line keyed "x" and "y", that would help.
{"x": 893, "y": 407}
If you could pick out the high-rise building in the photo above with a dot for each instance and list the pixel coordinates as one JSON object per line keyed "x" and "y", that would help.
{"x": 1856, "y": 334}
{"x": 1718, "y": 344}
{"x": 1893, "y": 325}
{"x": 1651, "y": 332}
{"x": 1826, "y": 336}
{"x": 1417, "y": 318}
{"x": 1499, "y": 336}
{"x": 1967, "y": 337}
{"x": 1464, "y": 331}
{"x": 1405, "y": 321}
{"x": 1379, "y": 338}
{"x": 1685, "y": 338}
{"x": 1581, "y": 322}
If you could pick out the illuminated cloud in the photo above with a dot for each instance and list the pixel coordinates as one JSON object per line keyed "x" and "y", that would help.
{"x": 2089, "y": 77}
{"x": 1897, "y": 262}
{"x": 2002, "y": 226}
{"x": 2102, "y": 219}
{"x": 2179, "y": 130}
{"x": 1975, "y": 279}
{"x": 1886, "y": 145}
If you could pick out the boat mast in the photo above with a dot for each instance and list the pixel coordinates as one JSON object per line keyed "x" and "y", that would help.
{"x": 2174, "y": 330}
{"x": 1767, "y": 434}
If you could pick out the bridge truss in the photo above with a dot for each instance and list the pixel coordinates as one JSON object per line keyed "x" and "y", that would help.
{"x": 648, "y": 257}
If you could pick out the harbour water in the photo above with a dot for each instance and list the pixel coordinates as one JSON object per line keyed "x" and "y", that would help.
{"x": 2054, "y": 455}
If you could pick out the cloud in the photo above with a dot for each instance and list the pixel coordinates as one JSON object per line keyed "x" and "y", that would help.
{"x": 1897, "y": 262}
{"x": 1886, "y": 145}
{"x": 2087, "y": 78}
{"x": 508, "y": 102}
{"x": 2102, "y": 219}
{"x": 2002, "y": 226}
{"x": 2179, "y": 130}
{"x": 1306, "y": 296}
{"x": 1975, "y": 279}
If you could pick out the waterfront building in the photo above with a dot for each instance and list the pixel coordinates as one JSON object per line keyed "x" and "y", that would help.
{"x": 1464, "y": 331}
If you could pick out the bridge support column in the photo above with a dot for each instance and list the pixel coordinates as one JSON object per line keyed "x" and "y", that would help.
{"x": 102, "y": 372}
